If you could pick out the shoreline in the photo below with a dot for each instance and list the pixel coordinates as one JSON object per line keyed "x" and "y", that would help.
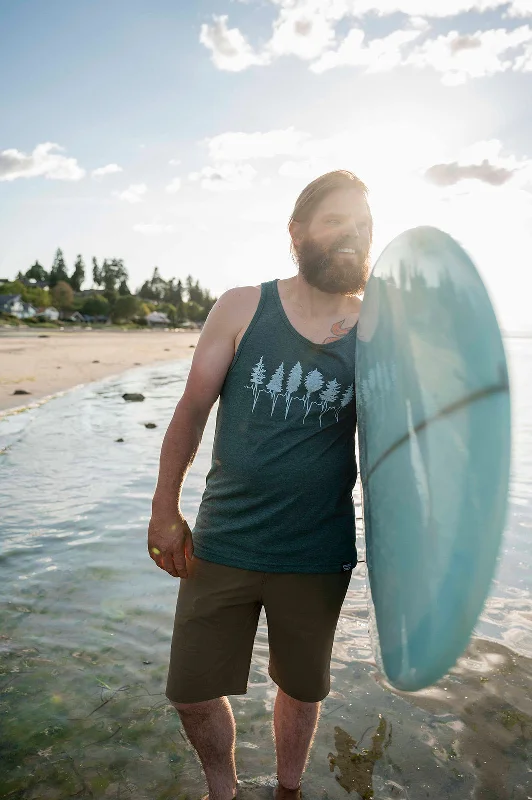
{"x": 47, "y": 363}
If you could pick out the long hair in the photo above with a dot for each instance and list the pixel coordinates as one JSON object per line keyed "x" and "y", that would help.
{"x": 313, "y": 194}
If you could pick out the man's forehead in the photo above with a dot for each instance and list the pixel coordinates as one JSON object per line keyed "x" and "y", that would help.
{"x": 344, "y": 201}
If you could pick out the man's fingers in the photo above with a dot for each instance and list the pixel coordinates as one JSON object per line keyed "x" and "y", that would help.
{"x": 167, "y": 564}
{"x": 179, "y": 564}
{"x": 189, "y": 548}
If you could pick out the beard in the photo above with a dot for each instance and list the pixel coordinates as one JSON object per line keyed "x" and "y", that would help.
{"x": 332, "y": 272}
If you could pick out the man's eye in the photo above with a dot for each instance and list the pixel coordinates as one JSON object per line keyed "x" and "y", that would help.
{"x": 333, "y": 219}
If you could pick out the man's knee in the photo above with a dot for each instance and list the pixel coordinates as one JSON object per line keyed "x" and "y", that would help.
{"x": 196, "y": 709}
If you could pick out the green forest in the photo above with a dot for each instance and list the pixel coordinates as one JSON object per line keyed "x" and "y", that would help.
{"x": 110, "y": 298}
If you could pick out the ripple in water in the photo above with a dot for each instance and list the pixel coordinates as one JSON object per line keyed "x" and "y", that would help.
{"x": 87, "y": 621}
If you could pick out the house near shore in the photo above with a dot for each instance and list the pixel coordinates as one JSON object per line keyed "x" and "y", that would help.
{"x": 11, "y": 304}
{"x": 50, "y": 314}
{"x": 157, "y": 319}
{"x": 14, "y": 305}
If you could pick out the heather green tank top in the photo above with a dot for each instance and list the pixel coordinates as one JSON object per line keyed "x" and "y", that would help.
{"x": 278, "y": 495}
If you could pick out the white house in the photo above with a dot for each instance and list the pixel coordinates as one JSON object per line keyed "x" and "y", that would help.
{"x": 12, "y": 304}
{"x": 27, "y": 311}
{"x": 50, "y": 314}
{"x": 158, "y": 319}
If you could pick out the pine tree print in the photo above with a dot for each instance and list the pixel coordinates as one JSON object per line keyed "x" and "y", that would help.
{"x": 347, "y": 396}
{"x": 329, "y": 395}
{"x": 275, "y": 386}
{"x": 345, "y": 399}
{"x": 313, "y": 383}
{"x": 292, "y": 385}
{"x": 258, "y": 374}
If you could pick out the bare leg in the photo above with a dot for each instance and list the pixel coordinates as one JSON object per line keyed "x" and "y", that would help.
{"x": 294, "y": 725}
{"x": 210, "y": 727}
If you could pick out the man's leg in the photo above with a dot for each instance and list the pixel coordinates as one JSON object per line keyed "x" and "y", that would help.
{"x": 294, "y": 725}
{"x": 210, "y": 727}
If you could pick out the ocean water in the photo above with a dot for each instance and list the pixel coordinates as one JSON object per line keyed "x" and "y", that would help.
{"x": 86, "y": 621}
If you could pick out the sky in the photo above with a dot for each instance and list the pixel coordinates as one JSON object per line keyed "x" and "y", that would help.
{"x": 179, "y": 134}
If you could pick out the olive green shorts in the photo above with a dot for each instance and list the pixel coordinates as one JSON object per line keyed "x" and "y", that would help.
{"x": 216, "y": 621}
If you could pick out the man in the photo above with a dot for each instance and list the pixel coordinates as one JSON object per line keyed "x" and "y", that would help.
{"x": 276, "y": 524}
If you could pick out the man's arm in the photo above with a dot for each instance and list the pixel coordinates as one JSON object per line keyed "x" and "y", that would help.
{"x": 169, "y": 536}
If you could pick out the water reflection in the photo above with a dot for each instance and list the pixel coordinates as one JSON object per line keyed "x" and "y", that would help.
{"x": 86, "y": 623}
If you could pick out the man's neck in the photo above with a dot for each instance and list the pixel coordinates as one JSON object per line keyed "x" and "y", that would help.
{"x": 311, "y": 303}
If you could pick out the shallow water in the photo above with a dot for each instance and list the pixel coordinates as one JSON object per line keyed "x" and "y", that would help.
{"x": 86, "y": 622}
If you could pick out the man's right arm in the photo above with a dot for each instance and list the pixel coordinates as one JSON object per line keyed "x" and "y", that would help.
{"x": 168, "y": 532}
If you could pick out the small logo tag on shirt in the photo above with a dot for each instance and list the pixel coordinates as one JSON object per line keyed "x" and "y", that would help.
{"x": 346, "y": 566}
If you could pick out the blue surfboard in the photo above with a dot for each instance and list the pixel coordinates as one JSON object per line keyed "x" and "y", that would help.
{"x": 433, "y": 409}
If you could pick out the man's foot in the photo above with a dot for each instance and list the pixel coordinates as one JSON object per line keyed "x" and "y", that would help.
{"x": 280, "y": 792}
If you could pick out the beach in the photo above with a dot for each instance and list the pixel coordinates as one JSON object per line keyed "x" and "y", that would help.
{"x": 44, "y": 362}
{"x": 87, "y": 620}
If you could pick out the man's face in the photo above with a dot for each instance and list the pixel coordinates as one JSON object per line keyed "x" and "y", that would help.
{"x": 333, "y": 247}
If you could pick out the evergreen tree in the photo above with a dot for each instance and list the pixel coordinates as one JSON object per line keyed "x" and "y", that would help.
{"x": 78, "y": 276}
{"x": 37, "y": 273}
{"x": 275, "y": 385}
{"x": 293, "y": 384}
{"x": 313, "y": 383}
{"x": 96, "y": 273}
{"x": 123, "y": 289}
{"x": 329, "y": 395}
{"x": 59, "y": 270}
{"x": 258, "y": 373}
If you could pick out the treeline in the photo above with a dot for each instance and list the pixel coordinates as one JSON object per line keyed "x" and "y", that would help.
{"x": 110, "y": 296}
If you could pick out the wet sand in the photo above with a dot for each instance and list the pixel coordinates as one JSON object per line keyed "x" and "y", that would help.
{"x": 46, "y": 362}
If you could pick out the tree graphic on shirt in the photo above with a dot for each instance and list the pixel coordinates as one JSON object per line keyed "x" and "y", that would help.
{"x": 329, "y": 395}
{"x": 345, "y": 400}
{"x": 313, "y": 383}
{"x": 258, "y": 374}
{"x": 294, "y": 382}
{"x": 275, "y": 386}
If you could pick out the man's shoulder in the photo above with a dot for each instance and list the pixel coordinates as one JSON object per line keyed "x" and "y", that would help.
{"x": 240, "y": 300}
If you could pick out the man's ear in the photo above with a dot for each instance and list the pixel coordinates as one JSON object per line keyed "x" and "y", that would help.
{"x": 296, "y": 232}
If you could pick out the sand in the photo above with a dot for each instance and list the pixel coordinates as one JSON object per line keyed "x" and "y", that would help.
{"x": 46, "y": 362}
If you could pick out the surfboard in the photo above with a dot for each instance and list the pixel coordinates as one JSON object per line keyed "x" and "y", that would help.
{"x": 434, "y": 440}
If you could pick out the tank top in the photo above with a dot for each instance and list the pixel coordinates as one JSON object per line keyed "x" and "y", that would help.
{"x": 278, "y": 495}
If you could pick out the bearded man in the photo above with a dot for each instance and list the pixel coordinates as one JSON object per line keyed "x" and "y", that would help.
{"x": 276, "y": 524}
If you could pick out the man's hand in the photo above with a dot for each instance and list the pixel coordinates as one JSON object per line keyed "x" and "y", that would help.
{"x": 169, "y": 539}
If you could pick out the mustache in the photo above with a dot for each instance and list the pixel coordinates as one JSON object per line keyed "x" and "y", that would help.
{"x": 345, "y": 241}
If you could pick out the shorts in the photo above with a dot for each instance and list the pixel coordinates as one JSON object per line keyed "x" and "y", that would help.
{"x": 216, "y": 622}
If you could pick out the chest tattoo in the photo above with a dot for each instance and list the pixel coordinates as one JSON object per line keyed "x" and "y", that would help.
{"x": 338, "y": 332}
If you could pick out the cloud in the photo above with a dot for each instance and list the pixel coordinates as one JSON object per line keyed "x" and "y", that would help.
{"x": 41, "y": 162}
{"x": 133, "y": 194}
{"x": 302, "y": 32}
{"x": 450, "y": 174}
{"x": 486, "y": 53}
{"x": 339, "y": 9}
{"x": 238, "y": 146}
{"x": 230, "y": 50}
{"x": 307, "y": 29}
{"x": 482, "y": 162}
{"x": 153, "y": 228}
{"x": 520, "y": 8}
{"x": 174, "y": 186}
{"x": 107, "y": 170}
{"x": 175, "y": 162}
{"x": 225, "y": 177}
{"x": 377, "y": 55}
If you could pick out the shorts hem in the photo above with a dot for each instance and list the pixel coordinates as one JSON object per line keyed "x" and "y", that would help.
{"x": 210, "y": 696}
{"x": 301, "y": 699}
